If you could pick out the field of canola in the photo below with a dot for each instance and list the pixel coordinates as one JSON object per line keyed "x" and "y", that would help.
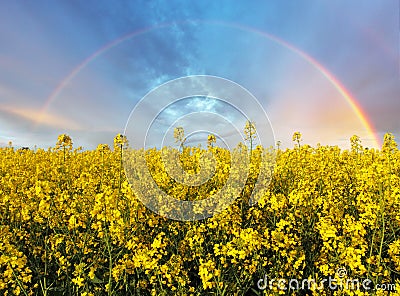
{"x": 71, "y": 225}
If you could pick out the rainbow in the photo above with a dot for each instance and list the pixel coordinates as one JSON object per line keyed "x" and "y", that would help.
{"x": 63, "y": 83}
{"x": 350, "y": 99}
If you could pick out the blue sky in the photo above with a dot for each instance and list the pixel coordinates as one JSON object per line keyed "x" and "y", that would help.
{"x": 43, "y": 42}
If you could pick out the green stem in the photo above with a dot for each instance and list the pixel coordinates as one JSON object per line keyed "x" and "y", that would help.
{"x": 381, "y": 244}
{"x": 110, "y": 263}
{"x": 370, "y": 252}
{"x": 120, "y": 170}
{"x": 18, "y": 281}
{"x": 382, "y": 205}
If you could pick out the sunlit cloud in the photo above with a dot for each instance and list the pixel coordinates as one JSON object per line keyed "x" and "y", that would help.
{"x": 36, "y": 117}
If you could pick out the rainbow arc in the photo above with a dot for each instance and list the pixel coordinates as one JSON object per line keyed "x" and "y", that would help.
{"x": 350, "y": 99}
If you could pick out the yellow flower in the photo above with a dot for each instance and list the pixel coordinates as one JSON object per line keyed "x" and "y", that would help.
{"x": 78, "y": 281}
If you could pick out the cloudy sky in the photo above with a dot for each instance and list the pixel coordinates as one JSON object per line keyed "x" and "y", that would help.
{"x": 329, "y": 69}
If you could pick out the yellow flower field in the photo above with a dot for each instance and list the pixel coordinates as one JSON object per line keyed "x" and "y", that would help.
{"x": 70, "y": 224}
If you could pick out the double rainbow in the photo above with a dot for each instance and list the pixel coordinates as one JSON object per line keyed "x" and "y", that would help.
{"x": 350, "y": 99}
